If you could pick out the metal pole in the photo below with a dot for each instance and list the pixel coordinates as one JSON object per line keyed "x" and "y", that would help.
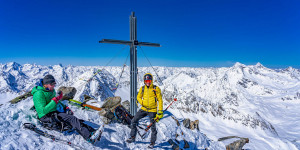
{"x": 133, "y": 65}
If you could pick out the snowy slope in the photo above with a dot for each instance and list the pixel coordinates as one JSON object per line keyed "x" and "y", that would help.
{"x": 256, "y": 102}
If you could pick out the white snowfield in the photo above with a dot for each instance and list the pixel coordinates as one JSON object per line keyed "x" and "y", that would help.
{"x": 254, "y": 102}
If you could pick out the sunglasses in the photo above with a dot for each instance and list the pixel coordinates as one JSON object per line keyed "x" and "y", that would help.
{"x": 148, "y": 81}
{"x": 52, "y": 83}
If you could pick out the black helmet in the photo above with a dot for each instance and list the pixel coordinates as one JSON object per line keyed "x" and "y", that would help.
{"x": 147, "y": 76}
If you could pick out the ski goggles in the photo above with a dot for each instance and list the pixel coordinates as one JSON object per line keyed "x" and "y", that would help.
{"x": 148, "y": 81}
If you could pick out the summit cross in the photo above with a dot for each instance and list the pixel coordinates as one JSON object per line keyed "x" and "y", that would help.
{"x": 133, "y": 43}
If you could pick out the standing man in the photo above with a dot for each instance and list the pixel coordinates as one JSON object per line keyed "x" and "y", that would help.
{"x": 47, "y": 106}
{"x": 149, "y": 95}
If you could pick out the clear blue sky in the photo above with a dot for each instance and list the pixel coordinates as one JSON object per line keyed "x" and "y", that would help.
{"x": 196, "y": 33}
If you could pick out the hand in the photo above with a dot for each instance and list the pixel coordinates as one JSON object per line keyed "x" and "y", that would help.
{"x": 56, "y": 99}
{"x": 159, "y": 115}
{"x": 69, "y": 111}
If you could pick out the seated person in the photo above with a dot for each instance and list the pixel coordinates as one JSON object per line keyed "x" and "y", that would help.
{"x": 46, "y": 105}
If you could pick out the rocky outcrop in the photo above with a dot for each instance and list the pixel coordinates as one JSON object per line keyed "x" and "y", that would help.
{"x": 186, "y": 123}
{"x": 237, "y": 144}
{"x": 68, "y": 92}
{"x": 87, "y": 97}
{"x": 20, "y": 98}
{"x": 191, "y": 124}
{"x": 111, "y": 102}
{"x": 108, "y": 107}
{"x": 126, "y": 105}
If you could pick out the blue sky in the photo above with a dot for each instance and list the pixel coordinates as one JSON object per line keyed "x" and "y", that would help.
{"x": 202, "y": 33}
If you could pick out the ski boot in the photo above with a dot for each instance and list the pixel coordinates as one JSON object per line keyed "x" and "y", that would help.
{"x": 96, "y": 136}
{"x": 151, "y": 146}
{"x": 131, "y": 139}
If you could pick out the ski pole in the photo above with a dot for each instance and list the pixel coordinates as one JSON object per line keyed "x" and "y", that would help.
{"x": 148, "y": 127}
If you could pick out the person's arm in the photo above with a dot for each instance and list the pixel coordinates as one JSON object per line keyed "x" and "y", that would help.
{"x": 139, "y": 96}
{"x": 159, "y": 99}
{"x": 40, "y": 103}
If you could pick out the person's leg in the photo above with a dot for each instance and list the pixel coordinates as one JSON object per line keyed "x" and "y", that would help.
{"x": 75, "y": 123}
{"x": 46, "y": 119}
{"x": 152, "y": 115}
{"x": 139, "y": 115}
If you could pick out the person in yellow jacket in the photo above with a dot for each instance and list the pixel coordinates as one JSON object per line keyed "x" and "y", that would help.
{"x": 150, "y": 98}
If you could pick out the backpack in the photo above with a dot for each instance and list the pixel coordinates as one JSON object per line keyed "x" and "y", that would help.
{"x": 122, "y": 115}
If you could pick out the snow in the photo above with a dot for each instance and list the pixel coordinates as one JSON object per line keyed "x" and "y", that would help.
{"x": 251, "y": 101}
{"x": 6, "y": 97}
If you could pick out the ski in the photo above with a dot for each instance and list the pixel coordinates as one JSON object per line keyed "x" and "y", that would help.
{"x": 83, "y": 104}
{"x": 32, "y": 127}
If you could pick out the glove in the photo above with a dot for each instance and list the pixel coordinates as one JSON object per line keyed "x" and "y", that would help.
{"x": 56, "y": 99}
{"x": 159, "y": 115}
{"x": 69, "y": 111}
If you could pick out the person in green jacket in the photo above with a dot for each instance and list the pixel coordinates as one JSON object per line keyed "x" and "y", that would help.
{"x": 47, "y": 104}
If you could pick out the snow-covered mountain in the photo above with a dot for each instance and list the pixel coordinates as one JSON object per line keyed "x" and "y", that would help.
{"x": 253, "y": 101}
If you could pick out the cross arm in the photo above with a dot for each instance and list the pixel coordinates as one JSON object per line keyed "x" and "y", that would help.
{"x": 111, "y": 41}
{"x": 149, "y": 44}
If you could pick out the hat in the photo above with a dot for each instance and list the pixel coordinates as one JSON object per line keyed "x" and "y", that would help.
{"x": 48, "y": 79}
{"x": 147, "y": 76}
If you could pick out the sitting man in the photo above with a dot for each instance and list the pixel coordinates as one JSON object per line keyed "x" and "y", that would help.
{"x": 46, "y": 105}
{"x": 150, "y": 98}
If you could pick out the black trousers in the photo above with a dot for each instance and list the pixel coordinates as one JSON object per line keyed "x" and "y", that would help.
{"x": 81, "y": 128}
{"x": 139, "y": 115}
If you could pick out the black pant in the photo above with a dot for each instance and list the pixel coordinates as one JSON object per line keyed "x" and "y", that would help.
{"x": 139, "y": 115}
{"x": 81, "y": 128}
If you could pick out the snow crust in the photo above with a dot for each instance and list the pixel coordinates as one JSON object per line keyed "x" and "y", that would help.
{"x": 254, "y": 102}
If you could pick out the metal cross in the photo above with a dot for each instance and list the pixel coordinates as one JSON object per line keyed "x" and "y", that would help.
{"x": 133, "y": 59}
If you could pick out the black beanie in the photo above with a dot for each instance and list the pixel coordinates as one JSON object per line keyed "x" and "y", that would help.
{"x": 48, "y": 79}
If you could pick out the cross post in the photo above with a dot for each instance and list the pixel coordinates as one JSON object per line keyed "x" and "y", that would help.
{"x": 133, "y": 43}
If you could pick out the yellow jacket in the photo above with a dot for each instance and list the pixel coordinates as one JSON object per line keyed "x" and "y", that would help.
{"x": 147, "y": 99}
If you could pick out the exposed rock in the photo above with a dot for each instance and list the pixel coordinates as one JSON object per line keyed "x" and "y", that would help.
{"x": 126, "y": 105}
{"x": 237, "y": 145}
{"x": 107, "y": 108}
{"x": 20, "y": 98}
{"x": 68, "y": 92}
{"x": 105, "y": 120}
{"x": 107, "y": 115}
{"x": 194, "y": 125}
{"x": 111, "y": 102}
{"x": 87, "y": 98}
{"x": 102, "y": 112}
{"x": 186, "y": 123}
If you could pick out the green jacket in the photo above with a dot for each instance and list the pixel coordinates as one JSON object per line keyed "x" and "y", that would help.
{"x": 42, "y": 100}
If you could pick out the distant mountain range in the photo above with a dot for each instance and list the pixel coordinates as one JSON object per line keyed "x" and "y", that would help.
{"x": 254, "y": 96}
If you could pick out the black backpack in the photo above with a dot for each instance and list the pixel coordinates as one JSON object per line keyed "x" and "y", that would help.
{"x": 122, "y": 115}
